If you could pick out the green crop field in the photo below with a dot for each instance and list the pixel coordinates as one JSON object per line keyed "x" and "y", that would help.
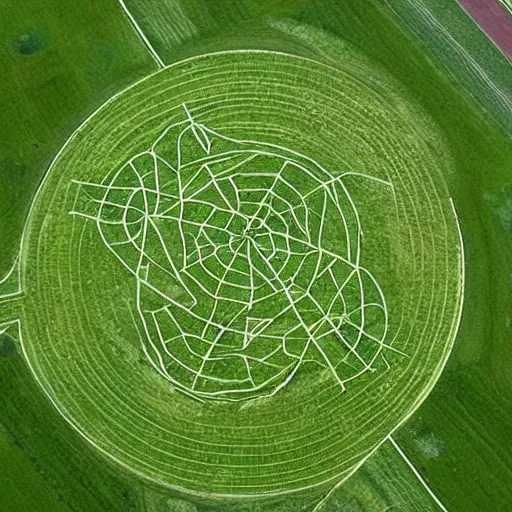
{"x": 265, "y": 257}
{"x": 21, "y": 487}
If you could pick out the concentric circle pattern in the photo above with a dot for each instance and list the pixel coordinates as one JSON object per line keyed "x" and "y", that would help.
{"x": 244, "y": 272}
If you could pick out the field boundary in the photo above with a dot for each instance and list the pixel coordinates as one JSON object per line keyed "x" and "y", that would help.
{"x": 417, "y": 474}
{"x": 141, "y": 34}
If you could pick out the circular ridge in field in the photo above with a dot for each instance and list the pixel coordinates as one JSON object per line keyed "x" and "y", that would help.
{"x": 243, "y": 273}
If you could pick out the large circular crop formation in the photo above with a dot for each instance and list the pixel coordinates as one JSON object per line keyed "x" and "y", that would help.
{"x": 244, "y": 272}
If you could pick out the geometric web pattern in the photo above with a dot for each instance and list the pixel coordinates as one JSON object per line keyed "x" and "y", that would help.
{"x": 247, "y": 263}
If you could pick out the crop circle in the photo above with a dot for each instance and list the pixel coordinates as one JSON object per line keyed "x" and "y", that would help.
{"x": 244, "y": 272}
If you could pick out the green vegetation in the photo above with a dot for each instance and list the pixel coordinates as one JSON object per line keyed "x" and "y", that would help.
{"x": 7, "y": 346}
{"x": 21, "y": 488}
{"x": 464, "y": 51}
{"x": 62, "y": 64}
{"x": 174, "y": 24}
{"x": 385, "y": 482}
{"x": 63, "y": 465}
{"x": 480, "y": 186}
{"x": 247, "y": 261}
{"x": 58, "y": 65}
{"x": 507, "y": 4}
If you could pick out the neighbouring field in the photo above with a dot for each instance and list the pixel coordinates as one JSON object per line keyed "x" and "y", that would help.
{"x": 385, "y": 482}
{"x": 465, "y": 51}
{"x": 59, "y": 64}
{"x": 62, "y": 463}
{"x": 21, "y": 487}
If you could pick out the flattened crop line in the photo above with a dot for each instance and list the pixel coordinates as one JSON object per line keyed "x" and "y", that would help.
{"x": 13, "y": 273}
{"x": 418, "y": 475}
{"x": 136, "y": 26}
{"x": 10, "y": 308}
